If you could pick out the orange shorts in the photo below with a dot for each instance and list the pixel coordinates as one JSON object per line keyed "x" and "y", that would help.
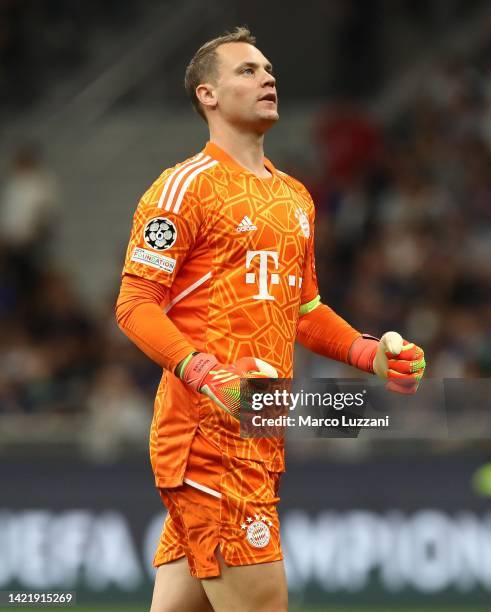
{"x": 224, "y": 502}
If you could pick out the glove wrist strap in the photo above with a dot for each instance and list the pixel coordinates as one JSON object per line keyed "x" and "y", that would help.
{"x": 362, "y": 353}
{"x": 181, "y": 366}
{"x": 196, "y": 369}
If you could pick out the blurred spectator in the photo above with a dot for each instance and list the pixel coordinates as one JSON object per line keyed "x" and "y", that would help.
{"x": 29, "y": 202}
{"x": 119, "y": 414}
{"x": 349, "y": 143}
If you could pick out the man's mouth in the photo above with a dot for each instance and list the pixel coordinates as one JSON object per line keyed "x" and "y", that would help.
{"x": 269, "y": 97}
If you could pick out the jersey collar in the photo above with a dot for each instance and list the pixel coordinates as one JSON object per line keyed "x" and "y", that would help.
{"x": 213, "y": 150}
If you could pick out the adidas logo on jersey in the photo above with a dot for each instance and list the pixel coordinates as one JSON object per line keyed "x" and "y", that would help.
{"x": 246, "y": 225}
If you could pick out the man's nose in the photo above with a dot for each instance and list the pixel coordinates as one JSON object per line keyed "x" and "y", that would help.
{"x": 269, "y": 80}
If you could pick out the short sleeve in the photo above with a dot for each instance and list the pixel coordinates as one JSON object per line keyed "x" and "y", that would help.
{"x": 161, "y": 239}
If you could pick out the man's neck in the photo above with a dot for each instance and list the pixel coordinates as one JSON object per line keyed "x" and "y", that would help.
{"x": 245, "y": 147}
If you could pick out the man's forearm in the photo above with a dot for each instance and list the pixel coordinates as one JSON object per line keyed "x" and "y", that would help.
{"x": 140, "y": 316}
{"x": 393, "y": 359}
{"x": 326, "y": 333}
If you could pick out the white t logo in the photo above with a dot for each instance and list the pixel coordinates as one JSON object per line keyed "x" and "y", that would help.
{"x": 263, "y": 273}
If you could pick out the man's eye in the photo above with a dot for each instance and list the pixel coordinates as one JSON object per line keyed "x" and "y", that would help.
{"x": 248, "y": 71}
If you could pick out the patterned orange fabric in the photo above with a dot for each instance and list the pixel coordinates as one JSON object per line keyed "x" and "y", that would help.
{"x": 236, "y": 252}
{"x": 237, "y": 513}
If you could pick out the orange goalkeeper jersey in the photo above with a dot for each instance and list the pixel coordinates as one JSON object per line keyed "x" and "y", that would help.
{"x": 236, "y": 253}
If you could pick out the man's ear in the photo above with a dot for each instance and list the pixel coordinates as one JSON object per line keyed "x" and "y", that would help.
{"x": 206, "y": 94}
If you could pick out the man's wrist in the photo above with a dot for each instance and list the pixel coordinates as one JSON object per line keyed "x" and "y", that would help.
{"x": 362, "y": 353}
{"x": 182, "y": 364}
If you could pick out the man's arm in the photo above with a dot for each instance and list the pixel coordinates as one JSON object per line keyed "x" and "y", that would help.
{"x": 140, "y": 316}
{"x": 161, "y": 240}
{"x": 324, "y": 332}
{"x": 391, "y": 358}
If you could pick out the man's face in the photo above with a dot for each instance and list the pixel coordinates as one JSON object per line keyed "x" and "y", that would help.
{"x": 245, "y": 89}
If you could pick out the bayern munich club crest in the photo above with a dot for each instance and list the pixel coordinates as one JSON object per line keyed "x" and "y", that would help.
{"x": 160, "y": 233}
{"x": 257, "y": 531}
{"x": 303, "y": 221}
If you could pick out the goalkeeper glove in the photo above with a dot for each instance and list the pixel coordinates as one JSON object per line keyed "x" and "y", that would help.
{"x": 392, "y": 358}
{"x": 221, "y": 382}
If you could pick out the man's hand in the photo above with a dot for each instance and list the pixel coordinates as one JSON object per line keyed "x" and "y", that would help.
{"x": 221, "y": 382}
{"x": 400, "y": 362}
{"x": 391, "y": 358}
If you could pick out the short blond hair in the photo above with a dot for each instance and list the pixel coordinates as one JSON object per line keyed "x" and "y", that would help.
{"x": 204, "y": 64}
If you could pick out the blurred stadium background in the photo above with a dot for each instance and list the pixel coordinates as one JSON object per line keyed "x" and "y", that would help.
{"x": 385, "y": 115}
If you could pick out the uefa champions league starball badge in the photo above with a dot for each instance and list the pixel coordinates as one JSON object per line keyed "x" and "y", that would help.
{"x": 160, "y": 233}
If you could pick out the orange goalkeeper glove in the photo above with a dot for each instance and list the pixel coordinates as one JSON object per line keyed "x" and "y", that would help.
{"x": 402, "y": 363}
{"x": 221, "y": 382}
{"x": 392, "y": 358}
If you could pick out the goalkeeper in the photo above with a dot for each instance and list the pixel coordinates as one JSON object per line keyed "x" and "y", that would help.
{"x": 219, "y": 282}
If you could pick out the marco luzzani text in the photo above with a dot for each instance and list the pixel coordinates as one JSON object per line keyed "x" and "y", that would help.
{"x": 286, "y": 400}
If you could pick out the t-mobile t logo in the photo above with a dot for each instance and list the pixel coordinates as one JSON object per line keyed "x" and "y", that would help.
{"x": 262, "y": 282}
